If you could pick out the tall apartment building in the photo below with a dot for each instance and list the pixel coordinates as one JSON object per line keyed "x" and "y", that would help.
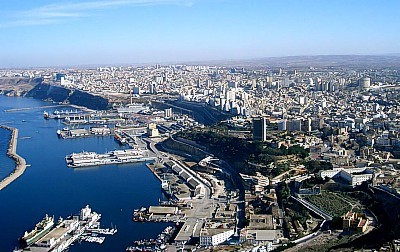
{"x": 259, "y": 129}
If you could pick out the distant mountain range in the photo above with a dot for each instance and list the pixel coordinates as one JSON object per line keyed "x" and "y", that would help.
{"x": 390, "y": 60}
{"x": 392, "y": 54}
{"x": 377, "y": 61}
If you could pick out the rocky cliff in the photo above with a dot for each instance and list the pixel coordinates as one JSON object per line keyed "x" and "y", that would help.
{"x": 87, "y": 100}
{"x": 17, "y": 86}
{"x": 45, "y": 91}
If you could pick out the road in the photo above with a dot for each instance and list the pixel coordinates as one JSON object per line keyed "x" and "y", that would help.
{"x": 202, "y": 208}
{"x": 313, "y": 208}
{"x": 389, "y": 193}
{"x": 236, "y": 180}
{"x": 152, "y": 146}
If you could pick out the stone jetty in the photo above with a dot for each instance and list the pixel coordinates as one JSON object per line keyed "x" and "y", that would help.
{"x": 20, "y": 163}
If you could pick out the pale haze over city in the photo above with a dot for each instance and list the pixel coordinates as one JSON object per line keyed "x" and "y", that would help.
{"x": 200, "y": 125}
{"x": 61, "y": 33}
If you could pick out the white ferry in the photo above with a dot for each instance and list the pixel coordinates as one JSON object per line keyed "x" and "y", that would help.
{"x": 132, "y": 108}
{"x": 85, "y": 158}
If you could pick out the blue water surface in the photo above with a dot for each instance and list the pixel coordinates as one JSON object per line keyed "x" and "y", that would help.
{"x": 48, "y": 186}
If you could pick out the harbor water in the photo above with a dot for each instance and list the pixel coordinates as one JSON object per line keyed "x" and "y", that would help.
{"x": 48, "y": 186}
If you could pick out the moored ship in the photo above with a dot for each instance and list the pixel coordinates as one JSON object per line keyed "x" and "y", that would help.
{"x": 131, "y": 108}
{"x": 113, "y": 157}
{"x": 46, "y": 115}
{"x": 40, "y": 230}
{"x": 49, "y": 238}
{"x": 118, "y": 136}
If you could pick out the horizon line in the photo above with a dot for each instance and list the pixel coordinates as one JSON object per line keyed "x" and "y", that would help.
{"x": 183, "y": 62}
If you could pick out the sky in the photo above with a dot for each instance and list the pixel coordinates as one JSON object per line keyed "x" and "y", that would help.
{"x": 45, "y": 33}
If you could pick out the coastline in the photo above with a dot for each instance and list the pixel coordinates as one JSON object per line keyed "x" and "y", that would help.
{"x": 20, "y": 163}
{"x": 27, "y": 200}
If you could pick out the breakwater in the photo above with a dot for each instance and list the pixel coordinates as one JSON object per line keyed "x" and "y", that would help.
{"x": 26, "y": 200}
{"x": 20, "y": 163}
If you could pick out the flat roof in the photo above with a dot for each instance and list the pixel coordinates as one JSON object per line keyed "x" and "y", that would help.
{"x": 188, "y": 229}
{"x": 213, "y": 231}
{"x": 162, "y": 210}
{"x": 185, "y": 175}
{"x": 75, "y": 131}
{"x": 192, "y": 182}
{"x": 264, "y": 235}
{"x": 177, "y": 169}
{"x": 261, "y": 221}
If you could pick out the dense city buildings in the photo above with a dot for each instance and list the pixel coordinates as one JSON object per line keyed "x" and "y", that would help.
{"x": 200, "y": 125}
{"x": 251, "y": 157}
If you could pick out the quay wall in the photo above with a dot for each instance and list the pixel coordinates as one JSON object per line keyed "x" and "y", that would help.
{"x": 20, "y": 163}
{"x": 152, "y": 169}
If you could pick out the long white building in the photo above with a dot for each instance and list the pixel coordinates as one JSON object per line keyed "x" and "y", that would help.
{"x": 213, "y": 237}
{"x": 354, "y": 176}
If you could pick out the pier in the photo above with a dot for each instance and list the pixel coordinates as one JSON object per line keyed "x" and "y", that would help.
{"x": 59, "y": 237}
{"x": 22, "y": 109}
{"x": 20, "y": 163}
{"x": 48, "y": 106}
{"x": 152, "y": 168}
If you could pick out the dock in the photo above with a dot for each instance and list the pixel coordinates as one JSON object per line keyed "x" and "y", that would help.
{"x": 20, "y": 163}
{"x": 152, "y": 168}
{"x": 158, "y": 244}
{"x": 83, "y": 227}
{"x": 67, "y": 133}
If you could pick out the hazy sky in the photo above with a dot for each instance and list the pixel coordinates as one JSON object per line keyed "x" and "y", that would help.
{"x": 72, "y": 32}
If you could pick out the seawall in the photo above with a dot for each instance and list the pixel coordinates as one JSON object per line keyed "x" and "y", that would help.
{"x": 20, "y": 163}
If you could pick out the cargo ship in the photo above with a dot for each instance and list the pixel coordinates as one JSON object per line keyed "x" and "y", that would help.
{"x": 41, "y": 229}
{"x": 118, "y": 136}
{"x": 85, "y": 158}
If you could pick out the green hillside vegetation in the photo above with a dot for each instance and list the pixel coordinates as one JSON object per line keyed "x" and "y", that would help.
{"x": 330, "y": 203}
{"x": 239, "y": 152}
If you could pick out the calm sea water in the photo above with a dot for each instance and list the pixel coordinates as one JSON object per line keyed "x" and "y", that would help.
{"x": 49, "y": 186}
